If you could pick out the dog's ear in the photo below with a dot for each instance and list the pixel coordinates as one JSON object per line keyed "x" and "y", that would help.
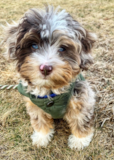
{"x": 87, "y": 42}
{"x": 11, "y": 39}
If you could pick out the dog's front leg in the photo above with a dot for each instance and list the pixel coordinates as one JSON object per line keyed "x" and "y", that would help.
{"x": 80, "y": 119}
{"x": 42, "y": 124}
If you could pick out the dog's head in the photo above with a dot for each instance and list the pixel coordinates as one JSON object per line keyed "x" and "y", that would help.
{"x": 50, "y": 47}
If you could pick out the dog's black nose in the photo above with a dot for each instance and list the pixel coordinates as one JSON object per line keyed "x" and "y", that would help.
{"x": 46, "y": 69}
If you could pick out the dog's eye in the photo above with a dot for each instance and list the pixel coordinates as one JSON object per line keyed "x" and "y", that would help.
{"x": 62, "y": 49}
{"x": 35, "y": 46}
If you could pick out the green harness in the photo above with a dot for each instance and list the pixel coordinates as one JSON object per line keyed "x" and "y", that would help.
{"x": 55, "y": 106}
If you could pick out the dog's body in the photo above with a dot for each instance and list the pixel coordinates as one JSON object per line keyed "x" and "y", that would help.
{"x": 51, "y": 48}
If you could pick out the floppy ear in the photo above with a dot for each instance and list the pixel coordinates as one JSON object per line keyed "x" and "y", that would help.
{"x": 11, "y": 39}
{"x": 87, "y": 42}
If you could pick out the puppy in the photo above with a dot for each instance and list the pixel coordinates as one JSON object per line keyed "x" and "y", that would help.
{"x": 51, "y": 49}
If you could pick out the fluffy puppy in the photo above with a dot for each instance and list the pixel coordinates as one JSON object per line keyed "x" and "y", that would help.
{"x": 51, "y": 49}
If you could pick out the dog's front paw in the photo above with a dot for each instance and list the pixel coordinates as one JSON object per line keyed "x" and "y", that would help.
{"x": 79, "y": 143}
{"x": 40, "y": 139}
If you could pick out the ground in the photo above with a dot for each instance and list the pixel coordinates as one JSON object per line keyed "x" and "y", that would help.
{"x": 15, "y": 129}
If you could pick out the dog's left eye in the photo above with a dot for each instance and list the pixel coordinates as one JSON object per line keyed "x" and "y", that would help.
{"x": 35, "y": 46}
{"x": 62, "y": 49}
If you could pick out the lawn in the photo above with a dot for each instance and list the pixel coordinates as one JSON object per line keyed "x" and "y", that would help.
{"x": 15, "y": 128}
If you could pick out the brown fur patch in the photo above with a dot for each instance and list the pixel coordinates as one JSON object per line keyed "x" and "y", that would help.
{"x": 88, "y": 42}
{"x": 40, "y": 120}
{"x": 79, "y": 123}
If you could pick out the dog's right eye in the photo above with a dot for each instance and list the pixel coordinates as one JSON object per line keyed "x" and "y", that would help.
{"x": 35, "y": 46}
{"x": 62, "y": 49}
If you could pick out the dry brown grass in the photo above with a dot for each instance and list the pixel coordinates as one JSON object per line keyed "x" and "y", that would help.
{"x": 15, "y": 128}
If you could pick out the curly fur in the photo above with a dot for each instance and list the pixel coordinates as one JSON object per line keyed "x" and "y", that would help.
{"x": 52, "y": 29}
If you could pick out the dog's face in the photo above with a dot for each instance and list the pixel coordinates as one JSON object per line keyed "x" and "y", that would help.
{"x": 50, "y": 47}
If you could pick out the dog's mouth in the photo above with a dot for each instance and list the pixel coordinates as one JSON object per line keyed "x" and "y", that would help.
{"x": 45, "y": 77}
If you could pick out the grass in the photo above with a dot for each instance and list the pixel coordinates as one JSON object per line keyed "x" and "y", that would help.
{"x": 15, "y": 128}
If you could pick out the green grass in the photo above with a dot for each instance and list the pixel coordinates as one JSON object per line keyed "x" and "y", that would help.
{"x": 15, "y": 129}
